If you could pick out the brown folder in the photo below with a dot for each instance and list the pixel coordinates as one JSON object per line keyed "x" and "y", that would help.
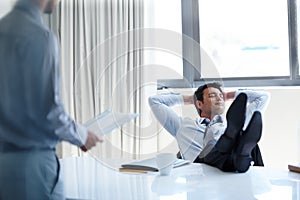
{"x": 294, "y": 168}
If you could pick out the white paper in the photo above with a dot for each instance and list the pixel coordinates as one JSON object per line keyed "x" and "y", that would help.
{"x": 107, "y": 121}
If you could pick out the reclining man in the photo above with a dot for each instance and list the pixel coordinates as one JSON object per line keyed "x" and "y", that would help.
{"x": 229, "y": 146}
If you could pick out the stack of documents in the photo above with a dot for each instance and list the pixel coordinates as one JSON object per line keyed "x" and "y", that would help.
{"x": 294, "y": 168}
{"x": 148, "y": 165}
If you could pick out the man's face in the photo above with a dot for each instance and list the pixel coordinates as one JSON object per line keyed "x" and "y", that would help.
{"x": 50, "y": 6}
{"x": 213, "y": 102}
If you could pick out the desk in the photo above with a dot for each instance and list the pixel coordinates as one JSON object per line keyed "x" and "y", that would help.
{"x": 88, "y": 178}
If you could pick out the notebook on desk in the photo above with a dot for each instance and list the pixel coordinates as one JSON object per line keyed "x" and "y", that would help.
{"x": 294, "y": 168}
{"x": 148, "y": 165}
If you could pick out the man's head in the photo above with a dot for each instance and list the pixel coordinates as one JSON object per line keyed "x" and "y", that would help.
{"x": 50, "y": 6}
{"x": 209, "y": 100}
{"x": 46, "y": 6}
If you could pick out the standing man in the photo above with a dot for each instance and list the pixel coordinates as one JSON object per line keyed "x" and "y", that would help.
{"x": 32, "y": 117}
{"x": 197, "y": 139}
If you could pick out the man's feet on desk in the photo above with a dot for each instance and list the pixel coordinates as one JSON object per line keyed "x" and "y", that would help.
{"x": 235, "y": 121}
{"x": 247, "y": 141}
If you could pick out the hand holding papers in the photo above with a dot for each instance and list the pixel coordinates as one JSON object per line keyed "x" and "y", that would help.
{"x": 107, "y": 121}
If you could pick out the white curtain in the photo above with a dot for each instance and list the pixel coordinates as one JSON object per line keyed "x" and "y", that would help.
{"x": 101, "y": 59}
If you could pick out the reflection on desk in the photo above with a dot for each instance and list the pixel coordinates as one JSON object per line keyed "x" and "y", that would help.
{"x": 88, "y": 178}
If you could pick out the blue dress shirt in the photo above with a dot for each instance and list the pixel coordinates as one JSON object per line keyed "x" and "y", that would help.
{"x": 32, "y": 115}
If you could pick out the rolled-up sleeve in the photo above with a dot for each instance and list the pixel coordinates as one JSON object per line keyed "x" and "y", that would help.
{"x": 161, "y": 107}
{"x": 258, "y": 100}
{"x": 64, "y": 126}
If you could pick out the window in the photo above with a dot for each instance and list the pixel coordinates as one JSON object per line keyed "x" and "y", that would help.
{"x": 247, "y": 38}
{"x": 242, "y": 43}
{"x": 163, "y": 19}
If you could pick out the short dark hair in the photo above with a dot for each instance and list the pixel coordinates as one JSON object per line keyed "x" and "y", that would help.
{"x": 198, "y": 94}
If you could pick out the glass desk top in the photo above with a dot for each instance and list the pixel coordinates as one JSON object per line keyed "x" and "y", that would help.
{"x": 90, "y": 178}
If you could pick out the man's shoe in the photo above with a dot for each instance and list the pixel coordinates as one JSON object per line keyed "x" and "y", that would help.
{"x": 235, "y": 121}
{"x": 247, "y": 141}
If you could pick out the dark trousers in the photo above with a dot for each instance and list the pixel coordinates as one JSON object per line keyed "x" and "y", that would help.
{"x": 225, "y": 161}
{"x": 30, "y": 175}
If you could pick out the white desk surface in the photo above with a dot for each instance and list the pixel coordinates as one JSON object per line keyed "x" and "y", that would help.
{"x": 88, "y": 178}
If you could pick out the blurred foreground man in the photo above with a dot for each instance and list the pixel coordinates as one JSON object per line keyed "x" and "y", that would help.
{"x": 32, "y": 117}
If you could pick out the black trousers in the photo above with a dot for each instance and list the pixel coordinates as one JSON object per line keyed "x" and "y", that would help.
{"x": 225, "y": 161}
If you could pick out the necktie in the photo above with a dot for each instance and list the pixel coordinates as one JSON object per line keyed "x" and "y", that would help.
{"x": 205, "y": 121}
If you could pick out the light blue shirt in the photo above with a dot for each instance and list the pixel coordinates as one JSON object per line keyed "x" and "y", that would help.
{"x": 192, "y": 135}
{"x": 31, "y": 112}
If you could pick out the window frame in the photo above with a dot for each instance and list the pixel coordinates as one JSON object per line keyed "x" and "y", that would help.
{"x": 192, "y": 76}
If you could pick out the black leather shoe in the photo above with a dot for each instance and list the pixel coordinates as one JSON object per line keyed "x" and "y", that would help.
{"x": 247, "y": 141}
{"x": 235, "y": 121}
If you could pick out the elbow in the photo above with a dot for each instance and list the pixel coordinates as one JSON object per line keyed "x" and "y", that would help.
{"x": 152, "y": 100}
{"x": 267, "y": 97}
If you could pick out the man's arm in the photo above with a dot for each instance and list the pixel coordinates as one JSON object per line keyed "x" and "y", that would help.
{"x": 257, "y": 101}
{"x": 161, "y": 106}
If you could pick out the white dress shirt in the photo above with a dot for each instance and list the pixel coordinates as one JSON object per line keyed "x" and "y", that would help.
{"x": 191, "y": 134}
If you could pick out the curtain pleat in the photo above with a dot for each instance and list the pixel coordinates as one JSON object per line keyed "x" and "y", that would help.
{"x": 101, "y": 59}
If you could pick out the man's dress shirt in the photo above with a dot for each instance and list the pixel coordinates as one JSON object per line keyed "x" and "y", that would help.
{"x": 32, "y": 115}
{"x": 192, "y": 135}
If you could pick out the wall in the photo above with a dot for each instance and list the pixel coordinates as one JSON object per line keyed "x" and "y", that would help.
{"x": 281, "y": 132}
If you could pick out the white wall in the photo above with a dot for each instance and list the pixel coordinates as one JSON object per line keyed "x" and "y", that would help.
{"x": 6, "y": 6}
